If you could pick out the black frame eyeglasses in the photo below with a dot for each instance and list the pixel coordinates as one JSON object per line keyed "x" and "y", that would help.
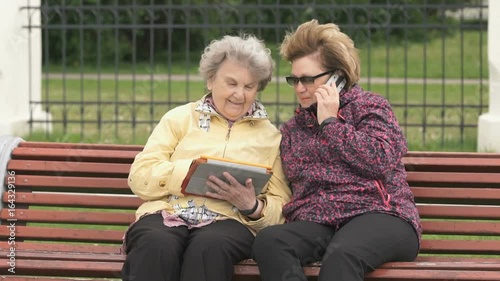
{"x": 305, "y": 80}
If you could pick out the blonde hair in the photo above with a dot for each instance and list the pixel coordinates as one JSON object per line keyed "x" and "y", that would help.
{"x": 335, "y": 50}
{"x": 245, "y": 49}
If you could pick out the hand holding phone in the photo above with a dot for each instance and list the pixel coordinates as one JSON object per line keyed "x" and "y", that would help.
{"x": 340, "y": 81}
{"x": 328, "y": 105}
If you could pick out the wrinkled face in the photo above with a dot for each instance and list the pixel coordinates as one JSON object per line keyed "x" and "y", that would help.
{"x": 234, "y": 89}
{"x": 307, "y": 66}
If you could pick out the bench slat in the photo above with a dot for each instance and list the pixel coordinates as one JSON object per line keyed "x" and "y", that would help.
{"x": 451, "y": 177}
{"x": 64, "y": 234}
{"x": 424, "y": 273}
{"x": 459, "y": 211}
{"x": 489, "y": 194}
{"x": 470, "y": 269}
{"x": 62, "y": 268}
{"x": 457, "y": 275}
{"x": 51, "y": 255}
{"x": 59, "y": 167}
{"x": 75, "y": 200}
{"x": 81, "y": 155}
{"x": 90, "y": 235}
{"x": 461, "y": 228}
{"x": 434, "y": 161}
{"x": 67, "y": 182}
{"x": 112, "y": 269}
{"x": 37, "y": 278}
{"x": 449, "y": 154}
{"x": 448, "y": 263}
{"x": 66, "y": 145}
{"x": 62, "y": 247}
{"x": 111, "y": 253}
{"x": 113, "y": 218}
{"x": 436, "y": 164}
{"x": 76, "y": 217}
{"x": 108, "y": 218}
{"x": 431, "y": 246}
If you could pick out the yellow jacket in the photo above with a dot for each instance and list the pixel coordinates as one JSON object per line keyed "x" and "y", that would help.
{"x": 182, "y": 135}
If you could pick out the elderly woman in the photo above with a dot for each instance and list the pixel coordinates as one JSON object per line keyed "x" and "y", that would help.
{"x": 188, "y": 237}
{"x": 352, "y": 208}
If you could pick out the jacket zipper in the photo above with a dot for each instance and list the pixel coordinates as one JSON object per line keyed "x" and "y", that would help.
{"x": 386, "y": 197}
{"x": 227, "y": 138}
{"x": 339, "y": 115}
{"x": 228, "y": 134}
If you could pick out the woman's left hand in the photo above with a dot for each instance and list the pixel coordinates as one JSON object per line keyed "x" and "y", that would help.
{"x": 328, "y": 102}
{"x": 240, "y": 196}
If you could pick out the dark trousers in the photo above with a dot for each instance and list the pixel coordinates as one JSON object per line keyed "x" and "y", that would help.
{"x": 156, "y": 252}
{"x": 360, "y": 246}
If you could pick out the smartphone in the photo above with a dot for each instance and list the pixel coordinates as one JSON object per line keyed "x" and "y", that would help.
{"x": 340, "y": 81}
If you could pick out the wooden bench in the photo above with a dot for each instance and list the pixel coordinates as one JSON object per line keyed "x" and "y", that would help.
{"x": 72, "y": 206}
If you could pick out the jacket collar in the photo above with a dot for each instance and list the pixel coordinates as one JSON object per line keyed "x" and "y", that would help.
{"x": 256, "y": 111}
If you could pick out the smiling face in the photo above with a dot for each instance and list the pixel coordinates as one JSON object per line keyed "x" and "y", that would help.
{"x": 234, "y": 89}
{"x": 307, "y": 66}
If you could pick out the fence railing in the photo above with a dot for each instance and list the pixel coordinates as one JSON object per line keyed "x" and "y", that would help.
{"x": 111, "y": 69}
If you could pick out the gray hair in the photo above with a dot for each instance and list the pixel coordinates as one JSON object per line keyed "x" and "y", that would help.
{"x": 245, "y": 49}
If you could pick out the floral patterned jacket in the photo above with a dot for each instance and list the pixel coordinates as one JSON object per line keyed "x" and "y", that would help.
{"x": 349, "y": 167}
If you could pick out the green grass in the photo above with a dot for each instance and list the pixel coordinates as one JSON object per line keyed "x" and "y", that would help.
{"x": 451, "y": 57}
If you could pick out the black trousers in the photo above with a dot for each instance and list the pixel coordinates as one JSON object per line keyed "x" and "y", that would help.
{"x": 360, "y": 246}
{"x": 156, "y": 252}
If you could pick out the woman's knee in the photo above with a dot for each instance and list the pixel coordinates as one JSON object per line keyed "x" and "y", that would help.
{"x": 157, "y": 241}
{"x": 342, "y": 260}
{"x": 266, "y": 239}
{"x": 337, "y": 252}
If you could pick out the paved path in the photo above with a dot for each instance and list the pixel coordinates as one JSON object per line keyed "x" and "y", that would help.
{"x": 177, "y": 77}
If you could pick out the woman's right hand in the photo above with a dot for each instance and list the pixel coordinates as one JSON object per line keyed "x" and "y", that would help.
{"x": 328, "y": 102}
{"x": 241, "y": 196}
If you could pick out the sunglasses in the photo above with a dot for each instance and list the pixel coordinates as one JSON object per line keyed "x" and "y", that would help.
{"x": 305, "y": 80}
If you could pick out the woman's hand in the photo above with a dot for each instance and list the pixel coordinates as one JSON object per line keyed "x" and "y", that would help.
{"x": 328, "y": 102}
{"x": 242, "y": 197}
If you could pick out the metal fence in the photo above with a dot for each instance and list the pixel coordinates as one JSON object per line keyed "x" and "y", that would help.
{"x": 111, "y": 69}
